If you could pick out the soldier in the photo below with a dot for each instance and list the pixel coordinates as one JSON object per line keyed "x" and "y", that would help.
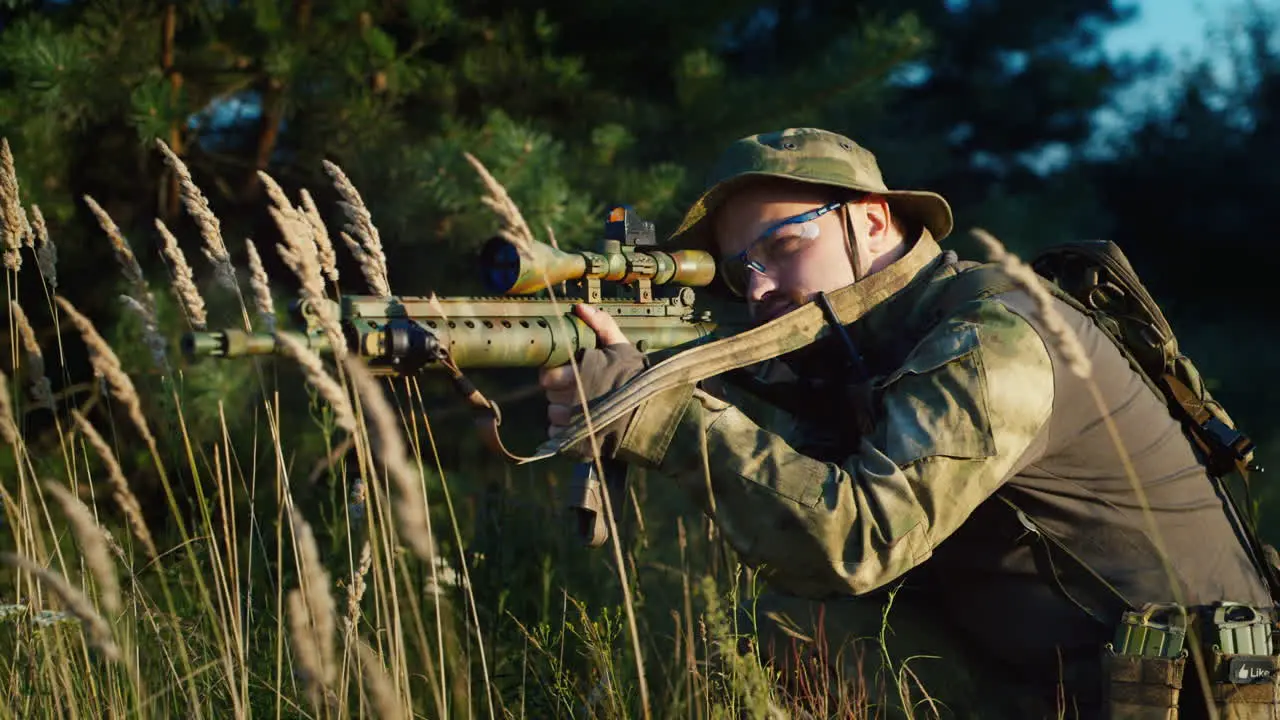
{"x": 924, "y": 442}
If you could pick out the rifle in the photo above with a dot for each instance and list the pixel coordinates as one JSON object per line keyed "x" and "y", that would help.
{"x": 649, "y": 292}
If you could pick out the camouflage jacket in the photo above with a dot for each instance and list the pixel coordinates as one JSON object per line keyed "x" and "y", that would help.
{"x": 860, "y": 492}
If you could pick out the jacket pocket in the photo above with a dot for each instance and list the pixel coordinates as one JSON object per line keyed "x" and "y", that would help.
{"x": 935, "y": 404}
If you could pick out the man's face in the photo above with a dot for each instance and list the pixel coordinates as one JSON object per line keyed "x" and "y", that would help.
{"x": 797, "y": 262}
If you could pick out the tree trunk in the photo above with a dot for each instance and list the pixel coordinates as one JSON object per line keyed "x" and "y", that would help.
{"x": 304, "y": 13}
{"x": 169, "y": 195}
{"x": 268, "y": 133}
{"x": 273, "y": 111}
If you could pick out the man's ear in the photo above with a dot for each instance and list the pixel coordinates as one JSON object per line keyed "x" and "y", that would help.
{"x": 875, "y": 220}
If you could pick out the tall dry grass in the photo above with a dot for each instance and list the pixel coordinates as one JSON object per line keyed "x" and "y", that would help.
{"x": 242, "y": 589}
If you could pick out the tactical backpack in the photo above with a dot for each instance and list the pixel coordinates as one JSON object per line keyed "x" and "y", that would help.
{"x": 1097, "y": 279}
{"x": 1100, "y": 282}
{"x": 1145, "y": 663}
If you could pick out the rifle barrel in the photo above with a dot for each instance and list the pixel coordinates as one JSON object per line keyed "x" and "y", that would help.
{"x": 233, "y": 343}
{"x": 397, "y": 344}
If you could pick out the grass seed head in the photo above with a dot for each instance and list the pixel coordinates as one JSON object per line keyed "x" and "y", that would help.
{"x": 124, "y": 253}
{"x": 1028, "y": 280}
{"x": 320, "y": 234}
{"x": 389, "y": 446}
{"x": 46, "y": 251}
{"x": 93, "y": 545}
{"x": 312, "y": 611}
{"x": 120, "y": 489}
{"x": 15, "y": 230}
{"x": 300, "y": 252}
{"x": 382, "y": 692}
{"x": 372, "y": 258}
{"x": 8, "y": 428}
{"x": 96, "y": 628}
{"x": 328, "y": 387}
{"x": 184, "y": 282}
{"x": 107, "y": 365}
{"x": 41, "y": 388}
{"x": 261, "y": 286}
{"x": 198, "y": 207}
{"x": 514, "y": 228}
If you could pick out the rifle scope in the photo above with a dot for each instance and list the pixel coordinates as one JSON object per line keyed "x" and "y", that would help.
{"x": 518, "y": 269}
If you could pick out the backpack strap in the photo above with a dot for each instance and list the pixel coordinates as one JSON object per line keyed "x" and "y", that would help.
{"x": 1194, "y": 412}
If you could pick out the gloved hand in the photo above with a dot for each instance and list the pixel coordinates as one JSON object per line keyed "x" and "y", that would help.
{"x": 614, "y": 361}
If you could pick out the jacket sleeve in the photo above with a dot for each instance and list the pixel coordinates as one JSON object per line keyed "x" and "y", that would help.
{"x": 956, "y": 420}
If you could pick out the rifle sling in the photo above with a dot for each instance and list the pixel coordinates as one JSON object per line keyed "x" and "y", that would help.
{"x": 795, "y": 330}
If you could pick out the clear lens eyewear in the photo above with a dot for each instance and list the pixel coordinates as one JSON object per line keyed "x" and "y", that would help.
{"x": 775, "y": 242}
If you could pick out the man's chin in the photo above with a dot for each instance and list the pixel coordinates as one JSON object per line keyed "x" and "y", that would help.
{"x": 762, "y": 315}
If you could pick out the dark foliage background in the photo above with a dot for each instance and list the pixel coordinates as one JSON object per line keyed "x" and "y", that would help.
{"x": 576, "y": 105}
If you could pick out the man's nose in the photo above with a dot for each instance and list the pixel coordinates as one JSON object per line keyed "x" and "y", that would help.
{"x": 758, "y": 285}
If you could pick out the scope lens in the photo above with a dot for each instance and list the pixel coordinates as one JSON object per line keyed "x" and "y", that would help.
{"x": 499, "y": 265}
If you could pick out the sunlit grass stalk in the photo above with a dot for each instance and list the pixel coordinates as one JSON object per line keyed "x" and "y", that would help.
{"x": 210, "y": 227}
{"x": 368, "y": 250}
{"x": 394, "y": 609}
{"x": 457, "y": 534}
{"x": 386, "y": 509}
{"x": 238, "y": 594}
{"x": 184, "y": 284}
{"x": 96, "y": 628}
{"x": 300, "y": 253}
{"x": 224, "y": 565}
{"x": 14, "y": 227}
{"x": 325, "y": 254}
{"x": 280, "y": 611}
{"x": 327, "y": 386}
{"x": 41, "y": 388}
{"x": 411, "y": 505}
{"x": 515, "y": 229}
{"x": 92, "y": 545}
{"x": 261, "y": 286}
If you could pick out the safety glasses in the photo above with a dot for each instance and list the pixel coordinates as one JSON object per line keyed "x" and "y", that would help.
{"x": 773, "y": 247}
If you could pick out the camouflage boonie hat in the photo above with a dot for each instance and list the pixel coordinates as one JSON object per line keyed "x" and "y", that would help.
{"x": 806, "y": 155}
